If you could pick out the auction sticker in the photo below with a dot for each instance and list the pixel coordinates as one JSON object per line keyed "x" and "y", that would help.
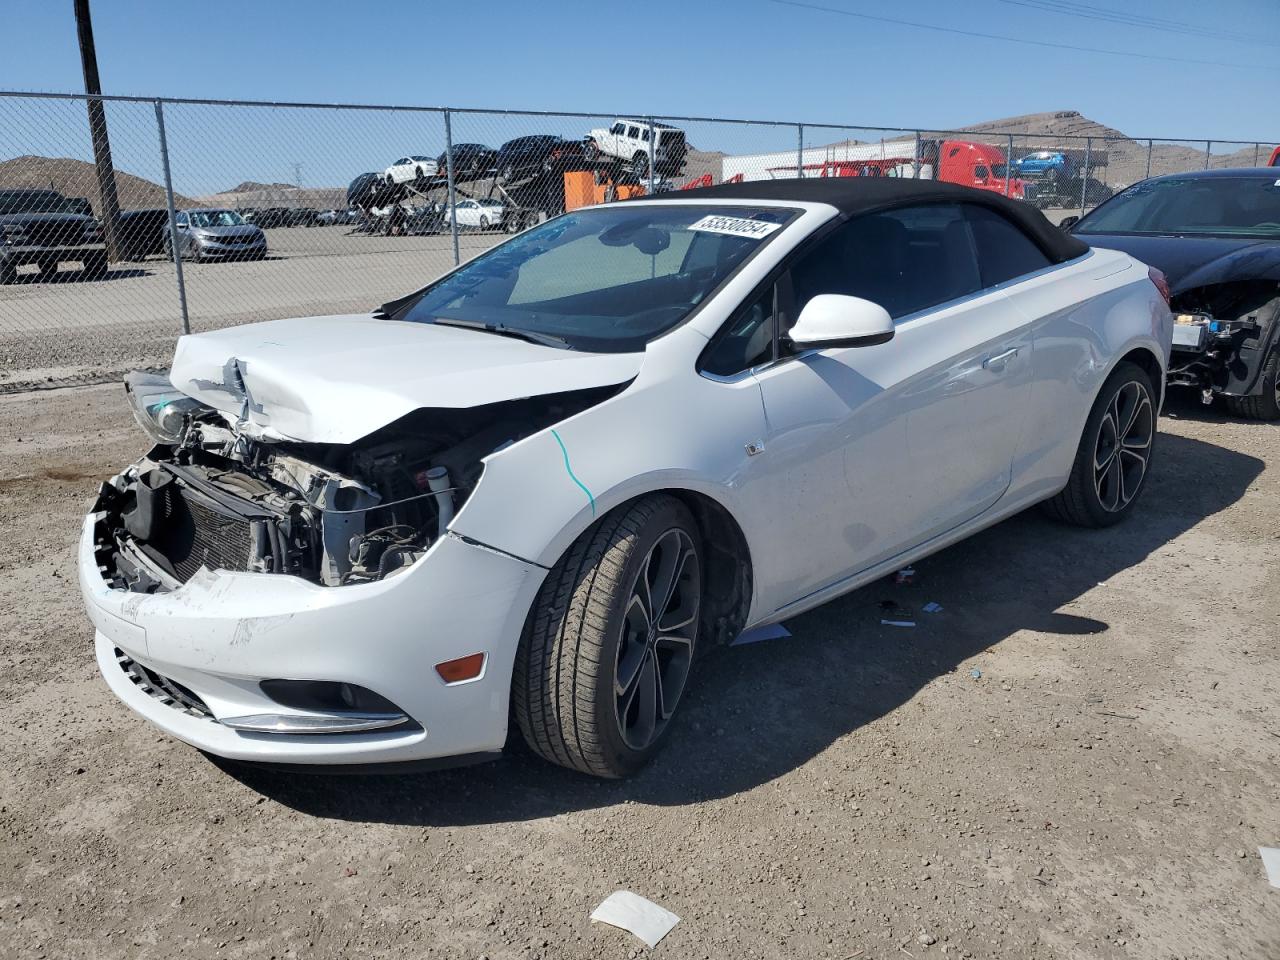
{"x": 736, "y": 226}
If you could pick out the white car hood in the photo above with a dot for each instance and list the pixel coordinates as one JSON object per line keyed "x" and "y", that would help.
{"x": 337, "y": 379}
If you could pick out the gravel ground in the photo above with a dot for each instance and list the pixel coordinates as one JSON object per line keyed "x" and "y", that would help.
{"x": 855, "y": 791}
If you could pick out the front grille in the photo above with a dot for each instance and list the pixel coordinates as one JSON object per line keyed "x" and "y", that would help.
{"x": 192, "y": 535}
{"x": 55, "y": 233}
{"x": 233, "y": 241}
{"x": 166, "y": 691}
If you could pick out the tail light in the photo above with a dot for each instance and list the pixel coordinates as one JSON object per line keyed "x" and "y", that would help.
{"x": 1158, "y": 278}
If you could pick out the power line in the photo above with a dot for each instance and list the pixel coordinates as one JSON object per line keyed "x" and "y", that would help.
{"x": 997, "y": 36}
{"x": 1088, "y": 12}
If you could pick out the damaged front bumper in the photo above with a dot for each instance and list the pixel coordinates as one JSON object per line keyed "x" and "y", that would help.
{"x": 193, "y": 660}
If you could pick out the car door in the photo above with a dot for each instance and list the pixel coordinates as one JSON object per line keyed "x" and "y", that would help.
{"x": 873, "y": 450}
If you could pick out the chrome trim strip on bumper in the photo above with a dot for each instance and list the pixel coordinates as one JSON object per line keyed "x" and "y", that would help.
{"x": 313, "y": 722}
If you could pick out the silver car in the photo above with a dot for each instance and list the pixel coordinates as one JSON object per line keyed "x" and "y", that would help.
{"x": 216, "y": 235}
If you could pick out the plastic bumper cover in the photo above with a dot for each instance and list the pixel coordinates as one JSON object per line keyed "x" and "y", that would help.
{"x": 221, "y": 633}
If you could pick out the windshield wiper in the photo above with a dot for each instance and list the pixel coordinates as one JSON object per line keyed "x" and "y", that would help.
{"x": 502, "y": 330}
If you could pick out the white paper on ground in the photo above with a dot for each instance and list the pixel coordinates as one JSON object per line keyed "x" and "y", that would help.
{"x": 1271, "y": 861}
{"x": 634, "y": 913}
{"x": 775, "y": 631}
{"x": 932, "y": 607}
{"x": 898, "y": 623}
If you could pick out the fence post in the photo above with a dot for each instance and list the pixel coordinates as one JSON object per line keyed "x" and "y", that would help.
{"x": 1255, "y": 154}
{"x": 1149, "y": 142}
{"x": 652, "y": 137}
{"x": 800, "y": 150}
{"x": 1084, "y": 180}
{"x": 453, "y": 197}
{"x": 1208, "y": 145}
{"x": 1008, "y": 165}
{"x": 173, "y": 217}
{"x": 915, "y": 159}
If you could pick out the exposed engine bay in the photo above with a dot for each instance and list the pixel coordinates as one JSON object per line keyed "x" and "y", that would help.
{"x": 208, "y": 495}
{"x": 1221, "y": 335}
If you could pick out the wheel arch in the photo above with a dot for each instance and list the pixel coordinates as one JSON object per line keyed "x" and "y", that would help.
{"x": 729, "y": 576}
{"x": 1147, "y": 359}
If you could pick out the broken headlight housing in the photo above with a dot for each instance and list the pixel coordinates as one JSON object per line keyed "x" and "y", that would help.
{"x": 161, "y": 411}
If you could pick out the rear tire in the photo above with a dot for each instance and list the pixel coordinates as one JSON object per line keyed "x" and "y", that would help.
{"x": 597, "y": 677}
{"x": 95, "y": 267}
{"x": 640, "y": 166}
{"x": 1114, "y": 456}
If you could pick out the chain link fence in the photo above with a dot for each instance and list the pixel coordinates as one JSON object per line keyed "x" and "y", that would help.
{"x": 230, "y": 212}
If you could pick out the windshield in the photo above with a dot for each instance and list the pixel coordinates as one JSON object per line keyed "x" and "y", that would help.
{"x": 1192, "y": 206}
{"x": 605, "y": 279}
{"x": 216, "y": 218}
{"x": 33, "y": 201}
{"x": 998, "y": 170}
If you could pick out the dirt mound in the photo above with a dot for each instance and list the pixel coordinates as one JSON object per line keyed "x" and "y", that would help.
{"x": 77, "y": 178}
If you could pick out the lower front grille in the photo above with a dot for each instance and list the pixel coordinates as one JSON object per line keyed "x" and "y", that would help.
{"x": 166, "y": 691}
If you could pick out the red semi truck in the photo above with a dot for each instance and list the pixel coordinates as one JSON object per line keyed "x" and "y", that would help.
{"x": 965, "y": 162}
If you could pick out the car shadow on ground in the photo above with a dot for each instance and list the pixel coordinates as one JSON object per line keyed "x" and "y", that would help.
{"x": 758, "y": 711}
{"x": 78, "y": 276}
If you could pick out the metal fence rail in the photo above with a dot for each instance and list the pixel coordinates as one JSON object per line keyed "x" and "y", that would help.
{"x": 234, "y": 211}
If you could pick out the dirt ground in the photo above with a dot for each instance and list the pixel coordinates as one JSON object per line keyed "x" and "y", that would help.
{"x": 1076, "y": 758}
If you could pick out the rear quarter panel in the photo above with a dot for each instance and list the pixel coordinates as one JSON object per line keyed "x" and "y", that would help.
{"x": 1086, "y": 316}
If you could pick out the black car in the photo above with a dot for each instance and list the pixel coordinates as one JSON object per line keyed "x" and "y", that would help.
{"x": 529, "y": 156}
{"x": 268, "y": 217}
{"x": 43, "y": 227}
{"x": 471, "y": 161}
{"x": 141, "y": 233}
{"x": 1215, "y": 235}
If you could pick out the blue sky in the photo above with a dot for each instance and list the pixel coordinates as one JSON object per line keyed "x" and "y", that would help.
{"x": 732, "y": 58}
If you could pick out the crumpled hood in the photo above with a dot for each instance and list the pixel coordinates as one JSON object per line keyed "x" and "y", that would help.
{"x": 337, "y": 379}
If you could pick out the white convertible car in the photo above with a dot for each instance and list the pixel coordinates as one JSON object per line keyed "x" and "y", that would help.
{"x": 534, "y": 489}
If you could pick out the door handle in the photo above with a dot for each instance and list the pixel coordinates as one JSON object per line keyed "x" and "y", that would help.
{"x": 1000, "y": 360}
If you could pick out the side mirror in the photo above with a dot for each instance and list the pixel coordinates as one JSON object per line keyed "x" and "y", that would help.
{"x": 1066, "y": 223}
{"x": 834, "y": 320}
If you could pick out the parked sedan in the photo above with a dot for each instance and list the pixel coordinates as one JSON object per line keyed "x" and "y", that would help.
{"x": 554, "y": 474}
{"x": 1216, "y": 235}
{"x": 411, "y": 169}
{"x": 215, "y": 235}
{"x": 480, "y": 213}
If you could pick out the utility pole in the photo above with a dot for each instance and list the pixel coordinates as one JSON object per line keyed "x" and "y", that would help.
{"x": 98, "y": 129}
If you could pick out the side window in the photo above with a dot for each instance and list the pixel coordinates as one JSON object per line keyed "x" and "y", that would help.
{"x": 618, "y": 129}
{"x": 1004, "y": 251}
{"x": 180, "y": 219}
{"x": 906, "y": 260}
{"x": 633, "y": 132}
{"x": 745, "y": 341}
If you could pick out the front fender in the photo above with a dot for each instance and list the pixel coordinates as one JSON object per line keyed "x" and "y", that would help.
{"x": 671, "y": 429}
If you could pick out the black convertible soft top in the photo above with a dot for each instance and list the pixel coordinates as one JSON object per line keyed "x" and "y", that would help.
{"x": 857, "y": 195}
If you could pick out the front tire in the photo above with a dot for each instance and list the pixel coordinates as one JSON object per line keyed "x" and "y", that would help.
{"x": 1264, "y": 405}
{"x": 1114, "y": 456}
{"x": 610, "y": 640}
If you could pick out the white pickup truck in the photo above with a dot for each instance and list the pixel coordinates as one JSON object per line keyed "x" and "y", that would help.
{"x": 628, "y": 140}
